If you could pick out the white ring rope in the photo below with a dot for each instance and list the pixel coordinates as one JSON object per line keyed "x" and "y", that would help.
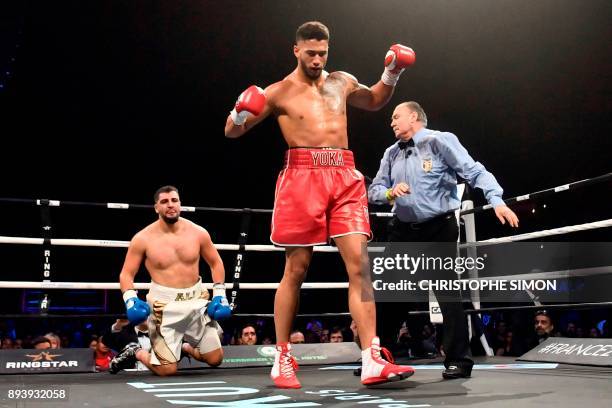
{"x": 115, "y": 285}
{"x": 327, "y": 248}
{"x": 104, "y": 243}
{"x": 540, "y": 234}
{"x": 602, "y": 270}
{"x": 234, "y": 247}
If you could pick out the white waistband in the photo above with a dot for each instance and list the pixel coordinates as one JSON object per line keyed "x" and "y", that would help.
{"x": 166, "y": 294}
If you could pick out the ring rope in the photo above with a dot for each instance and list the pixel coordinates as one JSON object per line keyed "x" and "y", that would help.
{"x": 573, "y": 306}
{"x": 592, "y": 271}
{"x": 540, "y": 234}
{"x": 125, "y": 206}
{"x": 325, "y": 248}
{"x": 121, "y": 315}
{"x": 143, "y": 285}
{"x": 104, "y": 243}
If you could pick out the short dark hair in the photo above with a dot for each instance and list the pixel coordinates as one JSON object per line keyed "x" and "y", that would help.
{"x": 40, "y": 340}
{"x": 164, "y": 189}
{"x": 542, "y": 312}
{"x": 248, "y": 325}
{"x": 312, "y": 30}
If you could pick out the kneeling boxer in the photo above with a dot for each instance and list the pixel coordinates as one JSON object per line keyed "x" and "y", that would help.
{"x": 183, "y": 319}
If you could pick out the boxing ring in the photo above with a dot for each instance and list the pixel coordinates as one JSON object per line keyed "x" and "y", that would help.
{"x": 496, "y": 381}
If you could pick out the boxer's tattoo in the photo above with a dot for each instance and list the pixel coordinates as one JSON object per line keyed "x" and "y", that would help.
{"x": 333, "y": 92}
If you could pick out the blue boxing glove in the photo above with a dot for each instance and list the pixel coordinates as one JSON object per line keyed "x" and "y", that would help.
{"x": 137, "y": 310}
{"x": 218, "y": 308}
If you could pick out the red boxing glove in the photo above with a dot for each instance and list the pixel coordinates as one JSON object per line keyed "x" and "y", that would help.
{"x": 252, "y": 100}
{"x": 398, "y": 58}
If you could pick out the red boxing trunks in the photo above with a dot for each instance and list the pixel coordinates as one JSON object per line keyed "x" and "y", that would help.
{"x": 319, "y": 195}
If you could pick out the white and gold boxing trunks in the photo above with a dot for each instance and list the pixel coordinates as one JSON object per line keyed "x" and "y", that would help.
{"x": 179, "y": 315}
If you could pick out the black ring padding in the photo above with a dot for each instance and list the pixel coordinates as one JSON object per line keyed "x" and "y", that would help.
{"x": 241, "y": 256}
{"x": 45, "y": 218}
{"x": 18, "y": 200}
{"x": 245, "y": 225}
{"x": 561, "y": 306}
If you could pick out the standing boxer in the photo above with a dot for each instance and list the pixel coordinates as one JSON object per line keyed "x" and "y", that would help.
{"x": 319, "y": 194}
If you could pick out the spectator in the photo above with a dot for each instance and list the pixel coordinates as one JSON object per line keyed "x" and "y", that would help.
{"x": 54, "y": 339}
{"x": 268, "y": 340}
{"x": 336, "y": 335}
{"x": 570, "y": 330}
{"x": 324, "y": 336}
{"x": 27, "y": 342}
{"x": 18, "y": 344}
{"x": 7, "y": 343}
{"x": 248, "y": 335}
{"x": 405, "y": 343}
{"x": 296, "y": 337}
{"x": 65, "y": 341}
{"x": 429, "y": 341}
{"x": 594, "y": 333}
{"x": 499, "y": 340}
{"x": 41, "y": 343}
{"x": 103, "y": 355}
{"x": 93, "y": 344}
{"x": 315, "y": 326}
{"x": 543, "y": 327}
{"x": 506, "y": 348}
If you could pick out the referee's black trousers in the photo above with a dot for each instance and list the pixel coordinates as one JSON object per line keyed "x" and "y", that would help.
{"x": 443, "y": 228}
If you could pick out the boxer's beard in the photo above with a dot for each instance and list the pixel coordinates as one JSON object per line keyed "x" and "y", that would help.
{"x": 168, "y": 220}
{"x": 312, "y": 74}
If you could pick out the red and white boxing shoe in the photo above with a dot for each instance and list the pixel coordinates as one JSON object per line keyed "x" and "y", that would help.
{"x": 284, "y": 368}
{"x": 377, "y": 369}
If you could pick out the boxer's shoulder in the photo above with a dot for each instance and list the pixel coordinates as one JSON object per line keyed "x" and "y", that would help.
{"x": 343, "y": 75}
{"x": 278, "y": 90}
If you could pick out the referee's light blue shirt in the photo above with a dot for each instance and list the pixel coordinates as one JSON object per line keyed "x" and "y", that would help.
{"x": 430, "y": 168}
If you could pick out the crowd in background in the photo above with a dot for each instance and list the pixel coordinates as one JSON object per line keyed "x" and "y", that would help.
{"x": 508, "y": 334}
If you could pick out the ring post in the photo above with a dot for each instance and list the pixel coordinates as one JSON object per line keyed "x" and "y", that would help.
{"x": 470, "y": 236}
{"x": 240, "y": 256}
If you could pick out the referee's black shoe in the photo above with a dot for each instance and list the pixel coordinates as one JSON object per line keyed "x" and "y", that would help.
{"x": 456, "y": 371}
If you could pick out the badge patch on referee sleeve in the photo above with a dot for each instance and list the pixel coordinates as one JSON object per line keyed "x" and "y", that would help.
{"x": 427, "y": 165}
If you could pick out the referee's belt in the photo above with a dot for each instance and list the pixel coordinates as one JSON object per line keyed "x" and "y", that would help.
{"x": 423, "y": 224}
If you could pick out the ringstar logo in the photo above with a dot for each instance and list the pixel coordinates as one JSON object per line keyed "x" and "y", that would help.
{"x": 44, "y": 359}
{"x": 44, "y": 356}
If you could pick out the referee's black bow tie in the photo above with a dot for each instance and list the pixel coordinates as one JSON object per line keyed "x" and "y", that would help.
{"x": 408, "y": 143}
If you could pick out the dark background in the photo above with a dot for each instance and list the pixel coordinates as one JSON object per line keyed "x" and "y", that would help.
{"x": 108, "y": 100}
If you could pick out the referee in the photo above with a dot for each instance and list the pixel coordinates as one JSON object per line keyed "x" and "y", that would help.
{"x": 418, "y": 176}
